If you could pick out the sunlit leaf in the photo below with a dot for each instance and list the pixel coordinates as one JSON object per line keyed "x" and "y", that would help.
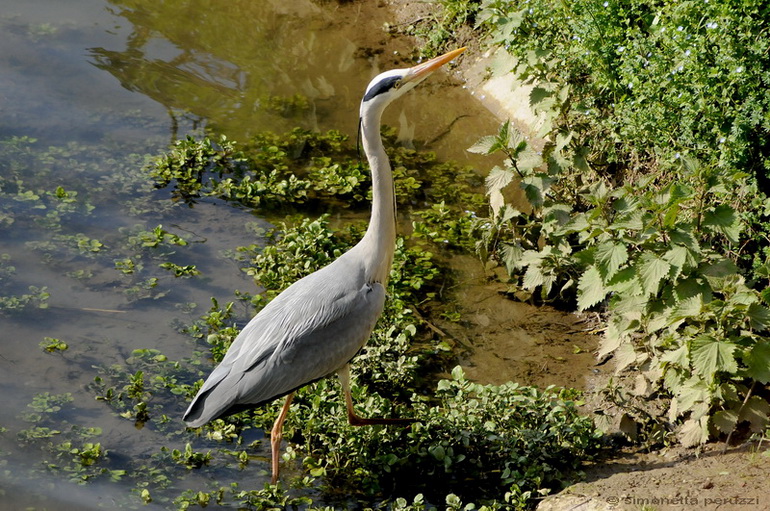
{"x": 651, "y": 269}
{"x": 497, "y": 179}
{"x": 591, "y": 288}
{"x": 485, "y": 145}
{"x": 694, "y": 432}
{"x": 624, "y": 356}
{"x": 710, "y": 355}
{"x": 511, "y": 255}
{"x": 610, "y": 256}
{"x": 688, "y": 308}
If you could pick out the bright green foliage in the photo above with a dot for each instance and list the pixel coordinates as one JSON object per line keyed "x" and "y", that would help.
{"x": 644, "y": 199}
{"x": 514, "y": 441}
{"x": 299, "y": 166}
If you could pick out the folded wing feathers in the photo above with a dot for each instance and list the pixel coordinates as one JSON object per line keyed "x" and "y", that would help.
{"x": 310, "y": 330}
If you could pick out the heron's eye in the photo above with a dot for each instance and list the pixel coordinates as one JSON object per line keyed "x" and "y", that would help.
{"x": 397, "y": 84}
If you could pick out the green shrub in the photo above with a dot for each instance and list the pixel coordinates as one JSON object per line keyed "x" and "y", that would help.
{"x": 642, "y": 200}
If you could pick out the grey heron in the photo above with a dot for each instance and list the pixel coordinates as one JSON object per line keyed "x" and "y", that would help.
{"x": 317, "y": 325}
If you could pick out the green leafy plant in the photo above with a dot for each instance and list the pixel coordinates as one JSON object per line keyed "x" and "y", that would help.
{"x": 641, "y": 203}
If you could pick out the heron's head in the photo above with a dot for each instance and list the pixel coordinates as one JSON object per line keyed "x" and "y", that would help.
{"x": 388, "y": 86}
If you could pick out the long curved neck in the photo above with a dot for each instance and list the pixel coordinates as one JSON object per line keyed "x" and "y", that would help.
{"x": 379, "y": 242}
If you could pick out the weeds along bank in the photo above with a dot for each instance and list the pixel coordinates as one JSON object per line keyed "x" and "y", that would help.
{"x": 649, "y": 201}
{"x": 500, "y": 445}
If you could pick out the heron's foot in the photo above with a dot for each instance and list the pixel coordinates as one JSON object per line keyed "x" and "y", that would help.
{"x": 355, "y": 420}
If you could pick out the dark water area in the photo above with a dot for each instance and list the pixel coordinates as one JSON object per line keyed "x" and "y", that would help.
{"x": 89, "y": 91}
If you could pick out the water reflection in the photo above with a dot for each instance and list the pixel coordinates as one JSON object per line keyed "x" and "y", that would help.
{"x": 233, "y": 62}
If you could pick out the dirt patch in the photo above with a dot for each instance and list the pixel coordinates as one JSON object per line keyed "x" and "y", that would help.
{"x": 505, "y": 340}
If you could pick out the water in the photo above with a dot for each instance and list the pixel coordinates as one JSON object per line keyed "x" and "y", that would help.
{"x": 99, "y": 85}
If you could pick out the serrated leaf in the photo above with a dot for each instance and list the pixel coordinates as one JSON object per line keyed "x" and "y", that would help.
{"x": 624, "y": 356}
{"x": 765, "y": 295}
{"x": 721, "y": 268}
{"x": 537, "y": 95}
{"x": 610, "y": 256}
{"x": 535, "y": 188}
{"x": 610, "y": 341}
{"x": 651, "y": 270}
{"x": 677, "y": 357}
{"x": 755, "y": 411}
{"x": 625, "y": 282}
{"x": 485, "y": 145}
{"x": 724, "y": 220}
{"x": 757, "y": 361}
{"x": 679, "y": 258}
{"x": 511, "y": 255}
{"x": 759, "y": 316}
{"x": 591, "y": 288}
{"x": 688, "y": 308}
{"x": 694, "y": 432}
{"x": 690, "y": 393}
{"x": 497, "y": 179}
{"x": 533, "y": 278}
{"x": 709, "y": 355}
{"x": 632, "y": 221}
{"x": 684, "y": 237}
{"x": 725, "y": 420}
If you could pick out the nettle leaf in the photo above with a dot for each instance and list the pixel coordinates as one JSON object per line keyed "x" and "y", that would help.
{"x": 651, "y": 270}
{"x": 687, "y": 308}
{"x": 759, "y": 316}
{"x": 512, "y": 255}
{"x": 724, "y": 220}
{"x": 725, "y": 420}
{"x": 535, "y": 188}
{"x": 757, "y": 361}
{"x": 709, "y": 355}
{"x": 497, "y": 179}
{"x": 538, "y": 95}
{"x": 677, "y": 357}
{"x": 679, "y": 258}
{"x": 533, "y": 278}
{"x": 591, "y": 288}
{"x": 624, "y": 356}
{"x": 683, "y": 236}
{"x": 690, "y": 393}
{"x": 755, "y": 411}
{"x": 694, "y": 432}
{"x": 625, "y": 282}
{"x": 632, "y": 221}
{"x": 610, "y": 256}
{"x": 485, "y": 145}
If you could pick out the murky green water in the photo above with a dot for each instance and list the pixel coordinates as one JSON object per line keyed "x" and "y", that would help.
{"x": 98, "y": 85}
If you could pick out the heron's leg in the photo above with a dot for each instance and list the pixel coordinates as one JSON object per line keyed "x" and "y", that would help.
{"x": 355, "y": 420}
{"x": 277, "y": 434}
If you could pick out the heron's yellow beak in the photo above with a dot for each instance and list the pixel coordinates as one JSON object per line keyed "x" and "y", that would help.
{"x": 420, "y": 71}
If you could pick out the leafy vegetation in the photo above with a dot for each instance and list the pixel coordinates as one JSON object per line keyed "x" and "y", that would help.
{"x": 467, "y": 431}
{"x": 644, "y": 201}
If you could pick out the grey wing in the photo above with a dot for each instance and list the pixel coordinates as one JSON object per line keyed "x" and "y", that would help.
{"x": 309, "y": 331}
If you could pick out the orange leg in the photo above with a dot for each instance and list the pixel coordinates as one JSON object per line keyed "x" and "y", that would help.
{"x": 353, "y": 418}
{"x": 277, "y": 434}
